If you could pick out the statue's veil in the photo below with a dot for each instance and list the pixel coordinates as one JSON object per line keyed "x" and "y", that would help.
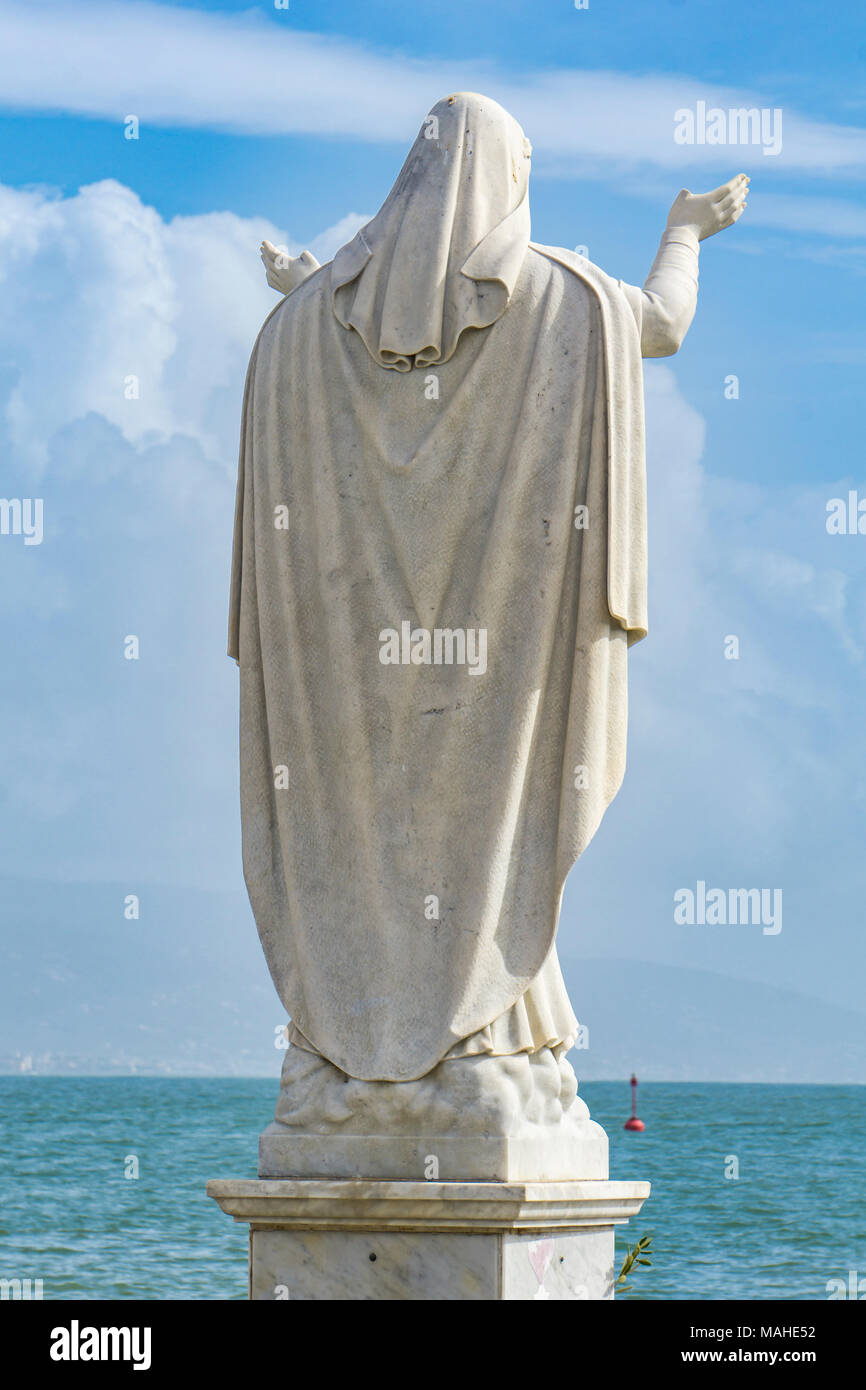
{"x": 444, "y": 252}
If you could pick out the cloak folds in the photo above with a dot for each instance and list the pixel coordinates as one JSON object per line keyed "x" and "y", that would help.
{"x": 406, "y": 882}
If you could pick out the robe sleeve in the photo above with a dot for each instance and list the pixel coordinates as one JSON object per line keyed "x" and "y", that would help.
{"x": 665, "y": 307}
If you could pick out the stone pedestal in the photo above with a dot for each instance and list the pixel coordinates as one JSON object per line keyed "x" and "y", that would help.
{"x": 338, "y": 1239}
{"x": 562, "y": 1153}
{"x": 485, "y": 1179}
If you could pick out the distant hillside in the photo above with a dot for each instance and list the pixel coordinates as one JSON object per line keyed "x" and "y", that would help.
{"x": 671, "y": 1024}
{"x": 184, "y": 990}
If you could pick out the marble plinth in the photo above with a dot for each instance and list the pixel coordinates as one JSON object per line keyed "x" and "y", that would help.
{"x": 336, "y": 1239}
{"x": 550, "y": 1156}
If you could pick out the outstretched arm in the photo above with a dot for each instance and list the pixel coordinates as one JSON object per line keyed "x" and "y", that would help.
{"x": 666, "y": 305}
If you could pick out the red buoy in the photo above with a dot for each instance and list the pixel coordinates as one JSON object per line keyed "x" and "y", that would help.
{"x": 633, "y": 1122}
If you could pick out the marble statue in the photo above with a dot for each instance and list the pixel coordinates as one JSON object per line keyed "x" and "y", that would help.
{"x": 439, "y": 569}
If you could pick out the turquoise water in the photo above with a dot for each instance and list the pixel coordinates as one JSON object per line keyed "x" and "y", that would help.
{"x": 791, "y": 1221}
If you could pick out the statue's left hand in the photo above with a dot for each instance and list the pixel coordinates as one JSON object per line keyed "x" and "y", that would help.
{"x": 286, "y": 272}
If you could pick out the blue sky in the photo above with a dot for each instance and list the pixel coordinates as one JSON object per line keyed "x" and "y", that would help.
{"x": 122, "y": 257}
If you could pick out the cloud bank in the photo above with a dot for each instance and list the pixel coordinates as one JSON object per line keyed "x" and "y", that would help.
{"x": 250, "y": 73}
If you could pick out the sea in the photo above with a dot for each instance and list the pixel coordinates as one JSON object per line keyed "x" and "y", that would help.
{"x": 758, "y": 1191}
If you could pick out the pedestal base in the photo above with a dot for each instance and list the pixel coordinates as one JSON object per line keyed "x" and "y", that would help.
{"x": 328, "y": 1239}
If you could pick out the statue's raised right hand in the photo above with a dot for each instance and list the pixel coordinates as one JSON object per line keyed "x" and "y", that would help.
{"x": 286, "y": 272}
{"x": 708, "y": 213}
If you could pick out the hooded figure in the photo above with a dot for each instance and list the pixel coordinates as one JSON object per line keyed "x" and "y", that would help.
{"x": 445, "y": 252}
{"x": 439, "y": 566}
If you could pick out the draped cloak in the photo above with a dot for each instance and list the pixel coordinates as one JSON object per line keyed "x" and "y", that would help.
{"x": 408, "y": 827}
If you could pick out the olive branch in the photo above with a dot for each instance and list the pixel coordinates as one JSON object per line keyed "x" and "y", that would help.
{"x": 639, "y": 1255}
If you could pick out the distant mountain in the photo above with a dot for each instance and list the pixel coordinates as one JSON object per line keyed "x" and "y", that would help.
{"x": 673, "y": 1024}
{"x": 183, "y": 990}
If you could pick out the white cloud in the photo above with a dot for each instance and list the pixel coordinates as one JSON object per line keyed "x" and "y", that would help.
{"x": 97, "y": 288}
{"x": 325, "y": 246}
{"x": 113, "y": 769}
{"x": 751, "y": 561}
{"x": 248, "y": 72}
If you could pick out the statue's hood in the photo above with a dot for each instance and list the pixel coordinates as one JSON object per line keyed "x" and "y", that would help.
{"x": 444, "y": 252}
